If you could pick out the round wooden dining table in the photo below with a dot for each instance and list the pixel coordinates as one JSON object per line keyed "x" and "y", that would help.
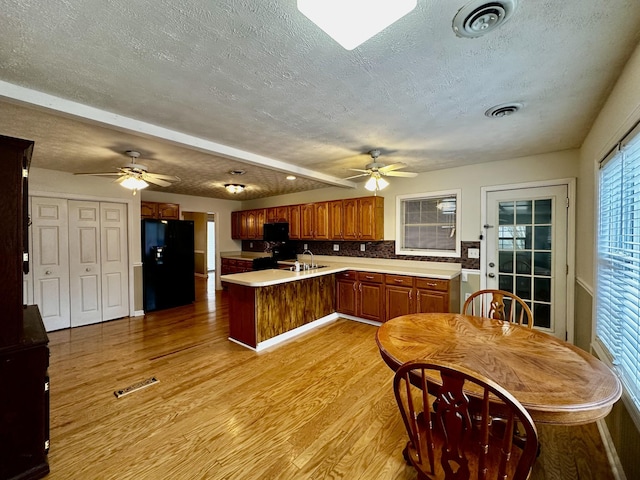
{"x": 558, "y": 383}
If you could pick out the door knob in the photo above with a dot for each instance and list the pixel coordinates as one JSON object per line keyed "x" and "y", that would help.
{"x": 491, "y": 275}
{"x": 87, "y": 269}
{"x": 492, "y": 264}
{"x": 48, "y": 272}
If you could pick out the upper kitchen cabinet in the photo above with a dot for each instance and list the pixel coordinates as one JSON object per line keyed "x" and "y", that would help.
{"x": 251, "y": 223}
{"x": 161, "y": 211}
{"x": 314, "y": 221}
{"x": 363, "y": 219}
{"x": 235, "y": 225}
{"x": 277, "y": 214}
{"x": 293, "y": 216}
{"x": 336, "y": 220}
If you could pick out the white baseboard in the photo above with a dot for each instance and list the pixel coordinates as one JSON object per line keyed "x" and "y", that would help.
{"x": 296, "y": 331}
{"x": 612, "y": 454}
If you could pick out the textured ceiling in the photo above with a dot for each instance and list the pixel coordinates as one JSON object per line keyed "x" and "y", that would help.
{"x": 201, "y": 87}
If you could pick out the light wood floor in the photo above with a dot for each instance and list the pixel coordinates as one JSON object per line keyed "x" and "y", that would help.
{"x": 319, "y": 406}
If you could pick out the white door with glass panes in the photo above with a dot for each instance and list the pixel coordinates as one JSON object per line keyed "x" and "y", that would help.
{"x": 526, "y": 250}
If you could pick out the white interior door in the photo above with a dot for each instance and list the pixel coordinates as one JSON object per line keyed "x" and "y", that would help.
{"x": 50, "y": 260}
{"x": 84, "y": 262}
{"x": 526, "y": 250}
{"x": 115, "y": 271}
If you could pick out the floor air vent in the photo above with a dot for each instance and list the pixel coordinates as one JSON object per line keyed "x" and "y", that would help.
{"x": 135, "y": 387}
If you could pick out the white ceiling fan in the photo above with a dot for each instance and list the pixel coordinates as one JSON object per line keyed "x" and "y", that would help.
{"x": 135, "y": 176}
{"x": 377, "y": 170}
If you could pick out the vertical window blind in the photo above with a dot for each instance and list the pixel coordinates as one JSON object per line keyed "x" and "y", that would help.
{"x": 618, "y": 261}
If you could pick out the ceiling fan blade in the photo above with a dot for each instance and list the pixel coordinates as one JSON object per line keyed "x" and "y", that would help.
{"x": 156, "y": 181}
{"x": 356, "y": 176}
{"x": 359, "y": 170}
{"x": 393, "y": 166}
{"x": 99, "y": 174}
{"x": 170, "y": 178}
{"x": 400, "y": 174}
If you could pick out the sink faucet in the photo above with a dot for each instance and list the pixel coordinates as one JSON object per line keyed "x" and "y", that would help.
{"x": 304, "y": 265}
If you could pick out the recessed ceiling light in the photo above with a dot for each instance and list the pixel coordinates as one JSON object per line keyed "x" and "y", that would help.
{"x": 480, "y": 17}
{"x": 503, "y": 110}
{"x": 237, "y": 172}
{"x": 291, "y": 177}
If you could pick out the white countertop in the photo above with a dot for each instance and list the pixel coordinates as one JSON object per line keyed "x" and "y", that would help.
{"x": 263, "y": 278}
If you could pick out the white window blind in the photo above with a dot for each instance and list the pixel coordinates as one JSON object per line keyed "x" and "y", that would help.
{"x": 618, "y": 261}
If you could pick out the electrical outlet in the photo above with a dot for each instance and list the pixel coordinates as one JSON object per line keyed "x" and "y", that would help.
{"x": 250, "y": 244}
{"x": 305, "y": 246}
{"x": 336, "y": 247}
{"x": 467, "y": 295}
{"x": 362, "y": 247}
{"x": 474, "y": 253}
{"x": 465, "y": 277}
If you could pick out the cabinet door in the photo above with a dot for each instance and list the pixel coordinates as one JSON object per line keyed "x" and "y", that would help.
{"x": 371, "y": 298}
{"x": 258, "y": 231}
{"x": 346, "y": 296}
{"x": 272, "y": 215}
{"x": 282, "y": 214}
{"x": 306, "y": 221}
{"x": 148, "y": 210}
{"x": 370, "y": 218}
{"x": 398, "y": 301}
{"x": 321, "y": 220}
{"x": 350, "y": 219}
{"x": 431, "y": 301}
{"x": 293, "y": 212}
{"x": 236, "y": 221}
{"x": 250, "y": 224}
{"x": 335, "y": 220}
{"x": 169, "y": 211}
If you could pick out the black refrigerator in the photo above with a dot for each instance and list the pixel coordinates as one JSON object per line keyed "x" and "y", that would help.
{"x": 168, "y": 263}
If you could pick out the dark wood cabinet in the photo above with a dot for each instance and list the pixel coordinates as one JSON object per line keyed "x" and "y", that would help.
{"x": 24, "y": 352}
{"x": 161, "y": 211}
{"x": 346, "y": 292}
{"x": 405, "y": 294}
{"x": 357, "y": 219}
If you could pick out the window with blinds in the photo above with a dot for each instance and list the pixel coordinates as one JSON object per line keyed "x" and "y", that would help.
{"x": 428, "y": 224}
{"x": 618, "y": 260}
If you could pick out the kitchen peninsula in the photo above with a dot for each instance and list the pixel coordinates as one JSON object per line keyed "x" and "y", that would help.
{"x": 270, "y": 306}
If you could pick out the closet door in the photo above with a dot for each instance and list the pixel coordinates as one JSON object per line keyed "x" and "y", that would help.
{"x": 50, "y": 260}
{"x": 115, "y": 271}
{"x": 84, "y": 262}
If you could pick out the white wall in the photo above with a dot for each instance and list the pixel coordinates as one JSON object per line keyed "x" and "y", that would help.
{"x": 469, "y": 178}
{"x": 620, "y": 112}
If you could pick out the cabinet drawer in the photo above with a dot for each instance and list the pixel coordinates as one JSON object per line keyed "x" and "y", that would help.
{"x": 432, "y": 284}
{"x": 402, "y": 280}
{"x": 371, "y": 277}
{"x": 348, "y": 275}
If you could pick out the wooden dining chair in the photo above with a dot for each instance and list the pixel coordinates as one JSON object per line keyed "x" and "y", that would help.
{"x": 498, "y": 304}
{"x": 447, "y": 440}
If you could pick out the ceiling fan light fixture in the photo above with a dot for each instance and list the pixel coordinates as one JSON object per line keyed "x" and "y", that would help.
{"x": 375, "y": 183}
{"x": 351, "y": 23}
{"x": 234, "y": 187}
{"x": 134, "y": 183}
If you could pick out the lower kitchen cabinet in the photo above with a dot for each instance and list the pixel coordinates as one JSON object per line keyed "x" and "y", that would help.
{"x": 360, "y": 294}
{"x": 381, "y": 297}
{"x": 234, "y": 265}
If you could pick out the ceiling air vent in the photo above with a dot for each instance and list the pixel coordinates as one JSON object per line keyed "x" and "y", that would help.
{"x": 503, "y": 110}
{"x": 480, "y": 17}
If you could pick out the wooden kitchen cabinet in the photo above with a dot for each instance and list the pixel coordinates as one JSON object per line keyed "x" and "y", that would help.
{"x": 400, "y": 296}
{"x": 235, "y": 225}
{"x": 363, "y": 219}
{"x": 277, "y": 214}
{"x": 158, "y": 210}
{"x": 235, "y": 265}
{"x": 360, "y": 294}
{"x": 406, "y": 294}
{"x": 293, "y": 212}
{"x": 314, "y": 221}
{"x": 346, "y": 292}
{"x": 336, "y": 220}
{"x": 251, "y": 224}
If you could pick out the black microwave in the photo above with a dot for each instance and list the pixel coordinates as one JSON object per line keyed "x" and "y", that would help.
{"x": 275, "y": 232}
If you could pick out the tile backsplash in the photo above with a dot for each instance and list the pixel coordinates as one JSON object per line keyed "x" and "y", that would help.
{"x": 382, "y": 249}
